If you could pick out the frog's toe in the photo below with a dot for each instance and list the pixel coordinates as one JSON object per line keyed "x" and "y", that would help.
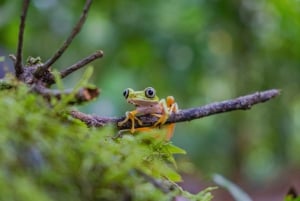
{"x": 121, "y": 123}
{"x": 162, "y": 119}
{"x": 132, "y": 130}
{"x": 139, "y": 121}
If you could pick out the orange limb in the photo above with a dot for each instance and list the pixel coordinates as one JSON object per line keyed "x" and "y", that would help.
{"x": 169, "y": 106}
{"x": 131, "y": 116}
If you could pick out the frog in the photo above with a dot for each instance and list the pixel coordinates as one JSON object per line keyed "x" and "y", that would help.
{"x": 147, "y": 102}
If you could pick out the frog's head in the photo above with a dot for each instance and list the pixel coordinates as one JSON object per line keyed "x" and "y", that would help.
{"x": 141, "y": 98}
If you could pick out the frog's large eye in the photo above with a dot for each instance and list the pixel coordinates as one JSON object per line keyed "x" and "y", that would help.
{"x": 150, "y": 92}
{"x": 126, "y": 93}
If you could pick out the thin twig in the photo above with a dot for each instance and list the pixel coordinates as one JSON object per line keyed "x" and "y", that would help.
{"x": 18, "y": 62}
{"x": 241, "y": 103}
{"x": 81, "y": 63}
{"x": 67, "y": 42}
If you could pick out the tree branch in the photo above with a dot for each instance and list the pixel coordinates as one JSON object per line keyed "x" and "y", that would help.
{"x": 18, "y": 61}
{"x": 81, "y": 63}
{"x": 67, "y": 42}
{"x": 240, "y": 103}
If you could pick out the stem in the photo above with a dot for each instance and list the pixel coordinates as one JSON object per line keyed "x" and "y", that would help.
{"x": 18, "y": 62}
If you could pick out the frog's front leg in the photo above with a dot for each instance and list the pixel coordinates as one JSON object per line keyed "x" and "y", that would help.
{"x": 169, "y": 106}
{"x": 132, "y": 117}
{"x": 172, "y": 105}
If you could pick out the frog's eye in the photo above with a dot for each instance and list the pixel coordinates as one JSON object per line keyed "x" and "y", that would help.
{"x": 126, "y": 93}
{"x": 150, "y": 92}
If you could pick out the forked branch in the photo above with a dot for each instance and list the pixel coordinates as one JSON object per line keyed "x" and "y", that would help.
{"x": 38, "y": 75}
{"x": 67, "y": 42}
{"x": 240, "y": 103}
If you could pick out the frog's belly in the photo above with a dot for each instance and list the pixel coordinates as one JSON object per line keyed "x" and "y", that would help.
{"x": 149, "y": 109}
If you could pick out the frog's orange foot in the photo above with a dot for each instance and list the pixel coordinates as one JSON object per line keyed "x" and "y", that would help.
{"x": 140, "y": 123}
{"x": 131, "y": 116}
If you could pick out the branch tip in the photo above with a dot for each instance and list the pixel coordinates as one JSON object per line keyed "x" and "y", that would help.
{"x": 81, "y": 63}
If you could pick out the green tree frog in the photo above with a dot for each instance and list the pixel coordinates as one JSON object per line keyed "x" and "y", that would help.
{"x": 147, "y": 102}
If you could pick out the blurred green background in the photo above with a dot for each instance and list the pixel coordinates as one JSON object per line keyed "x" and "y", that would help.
{"x": 199, "y": 51}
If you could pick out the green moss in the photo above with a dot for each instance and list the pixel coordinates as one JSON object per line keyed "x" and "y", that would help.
{"x": 46, "y": 155}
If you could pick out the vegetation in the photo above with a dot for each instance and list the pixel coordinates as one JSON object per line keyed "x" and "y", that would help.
{"x": 45, "y": 155}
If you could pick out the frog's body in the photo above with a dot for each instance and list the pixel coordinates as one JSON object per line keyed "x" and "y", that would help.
{"x": 147, "y": 102}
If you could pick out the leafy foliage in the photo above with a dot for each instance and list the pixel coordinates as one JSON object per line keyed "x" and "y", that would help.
{"x": 45, "y": 155}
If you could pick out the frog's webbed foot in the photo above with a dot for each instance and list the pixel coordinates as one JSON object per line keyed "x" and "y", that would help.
{"x": 132, "y": 117}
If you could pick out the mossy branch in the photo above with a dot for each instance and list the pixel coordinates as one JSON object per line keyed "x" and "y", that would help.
{"x": 84, "y": 94}
{"x": 39, "y": 77}
{"x": 240, "y": 103}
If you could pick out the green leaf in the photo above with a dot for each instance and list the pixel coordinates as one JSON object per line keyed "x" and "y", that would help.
{"x": 174, "y": 149}
{"x": 84, "y": 78}
{"x": 171, "y": 174}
